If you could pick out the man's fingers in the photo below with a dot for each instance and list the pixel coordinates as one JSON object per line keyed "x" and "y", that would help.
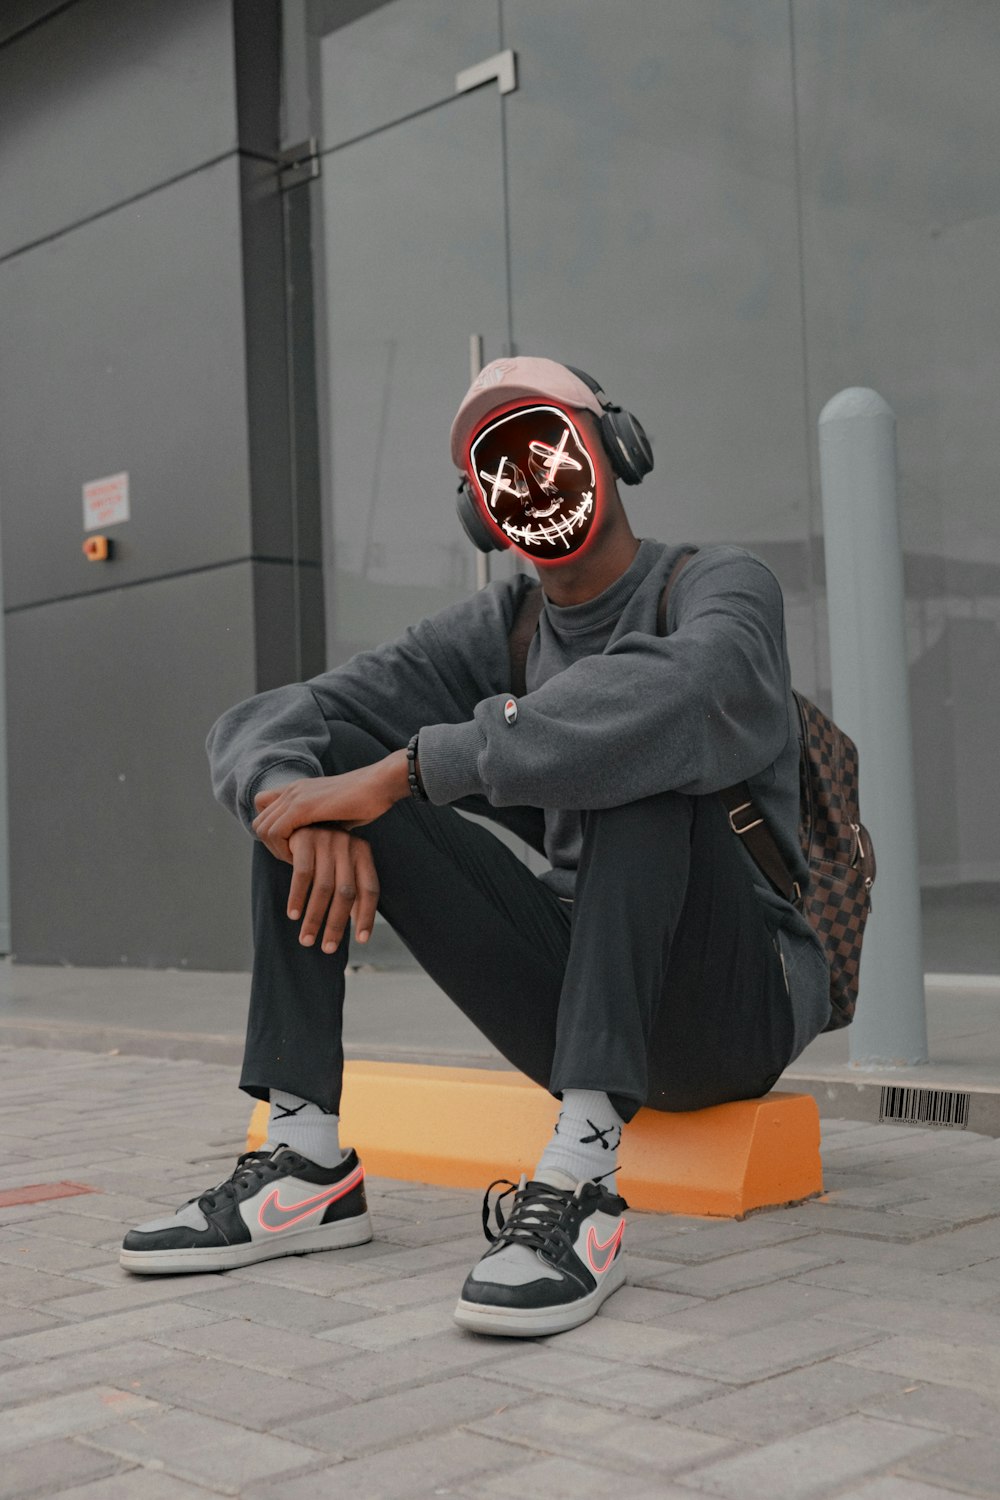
{"x": 333, "y": 877}
{"x": 366, "y": 880}
{"x": 279, "y": 848}
{"x": 302, "y": 876}
{"x": 323, "y": 876}
{"x": 280, "y": 825}
{"x": 272, "y": 810}
{"x": 344, "y": 895}
{"x": 268, "y": 825}
{"x": 265, "y": 825}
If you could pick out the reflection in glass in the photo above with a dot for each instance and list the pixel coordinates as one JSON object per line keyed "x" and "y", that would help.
{"x": 413, "y": 263}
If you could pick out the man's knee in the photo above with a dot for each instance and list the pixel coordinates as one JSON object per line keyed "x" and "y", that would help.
{"x": 666, "y": 811}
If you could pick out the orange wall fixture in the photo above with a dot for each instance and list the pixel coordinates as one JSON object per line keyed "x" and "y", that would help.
{"x": 463, "y": 1127}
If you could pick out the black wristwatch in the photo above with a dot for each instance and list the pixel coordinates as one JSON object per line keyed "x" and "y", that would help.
{"x": 416, "y": 790}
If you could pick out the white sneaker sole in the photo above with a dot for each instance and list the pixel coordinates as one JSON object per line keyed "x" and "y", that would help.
{"x": 536, "y": 1322}
{"x": 334, "y": 1236}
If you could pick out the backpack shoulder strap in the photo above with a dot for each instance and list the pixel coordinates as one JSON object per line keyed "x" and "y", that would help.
{"x": 523, "y": 628}
{"x": 661, "y": 609}
{"x": 747, "y": 821}
{"x": 744, "y": 817}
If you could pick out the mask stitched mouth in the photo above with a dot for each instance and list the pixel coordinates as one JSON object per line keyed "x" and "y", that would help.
{"x": 536, "y": 478}
{"x": 559, "y": 531}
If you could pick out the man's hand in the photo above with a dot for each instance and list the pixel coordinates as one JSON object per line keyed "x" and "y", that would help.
{"x": 334, "y": 878}
{"x": 350, "y": 800}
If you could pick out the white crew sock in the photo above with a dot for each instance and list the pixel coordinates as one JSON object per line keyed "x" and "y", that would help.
{"x": 306, "y": 1127}
{"x": 586, "y": 1138}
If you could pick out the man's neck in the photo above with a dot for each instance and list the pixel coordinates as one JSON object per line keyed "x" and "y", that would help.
{"x": 576, "y": 581}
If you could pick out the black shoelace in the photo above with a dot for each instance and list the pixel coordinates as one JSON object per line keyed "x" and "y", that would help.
{"x": 250, "y": 1167}
{"x": 541, "y": 1217}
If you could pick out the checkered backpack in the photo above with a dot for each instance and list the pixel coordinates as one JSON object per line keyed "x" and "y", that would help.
{"x": 838, "y": 851}
{"x": 837, "y": 846}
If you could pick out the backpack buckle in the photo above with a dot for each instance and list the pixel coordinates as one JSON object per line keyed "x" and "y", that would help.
{"x": 733, "y": 812}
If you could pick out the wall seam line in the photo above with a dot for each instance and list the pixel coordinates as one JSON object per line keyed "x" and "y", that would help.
{"x": 136, "y": 583}
{"x": 102, "y": 213}
{"x": 57, "y": 10}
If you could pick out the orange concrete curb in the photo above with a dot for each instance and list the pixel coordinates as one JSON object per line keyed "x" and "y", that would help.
{"x": 463, "y": 1127}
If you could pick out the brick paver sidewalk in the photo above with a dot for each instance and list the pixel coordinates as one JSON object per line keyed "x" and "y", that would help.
{"x": 849, "y": 1347}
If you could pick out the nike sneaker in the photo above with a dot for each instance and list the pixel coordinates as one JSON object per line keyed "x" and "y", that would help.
{"x": 274, "y": 1203}
{"x": 552, "y": 1262}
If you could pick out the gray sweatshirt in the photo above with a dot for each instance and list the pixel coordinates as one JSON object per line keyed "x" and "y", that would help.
{"x": 612, "y": 712}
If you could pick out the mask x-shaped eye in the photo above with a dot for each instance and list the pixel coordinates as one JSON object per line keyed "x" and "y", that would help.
{"x": 508, "y": 480}
{"x": 545, "y": 460}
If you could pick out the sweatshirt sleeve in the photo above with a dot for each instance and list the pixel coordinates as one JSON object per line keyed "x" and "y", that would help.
{"x": 435, "y": 672}
{"x": 692, "y": 711}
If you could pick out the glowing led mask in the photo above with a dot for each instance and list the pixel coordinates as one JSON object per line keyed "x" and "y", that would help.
{"x": 536, "y": 479}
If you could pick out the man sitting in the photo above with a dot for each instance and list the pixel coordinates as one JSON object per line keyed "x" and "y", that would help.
{"x": 652, "y": 965}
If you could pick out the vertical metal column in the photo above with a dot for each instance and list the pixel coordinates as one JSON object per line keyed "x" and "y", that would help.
{"x": 475, "y": 365}
{"x": 871, "y": 702}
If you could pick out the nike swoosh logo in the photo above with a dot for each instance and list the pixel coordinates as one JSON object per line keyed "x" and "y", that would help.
{"x": 274, "y": 1215}
{"x": 601, "y": 1254}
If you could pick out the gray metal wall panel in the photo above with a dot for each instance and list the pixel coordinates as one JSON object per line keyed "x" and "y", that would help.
{"x": 120, "y": 853}
{"x": 106, "y": 100}
{"x": 149, "y": 337}
{"x": 124, "y": 350}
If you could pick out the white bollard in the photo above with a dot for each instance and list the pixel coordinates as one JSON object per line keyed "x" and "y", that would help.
{"x": 871, "y": 703}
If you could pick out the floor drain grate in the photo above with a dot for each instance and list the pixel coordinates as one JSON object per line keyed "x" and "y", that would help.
{"x": 904, "y": 1106}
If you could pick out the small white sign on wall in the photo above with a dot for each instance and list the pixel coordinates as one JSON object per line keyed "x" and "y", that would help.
{"x": 105, "y": 502}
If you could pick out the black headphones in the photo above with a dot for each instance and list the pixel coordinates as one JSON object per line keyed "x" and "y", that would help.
{"x": 625, "y": 442}
{"x": 623, "y": 435}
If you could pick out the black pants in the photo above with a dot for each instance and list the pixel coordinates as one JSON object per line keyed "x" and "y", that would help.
{"x": 659, "y": 985}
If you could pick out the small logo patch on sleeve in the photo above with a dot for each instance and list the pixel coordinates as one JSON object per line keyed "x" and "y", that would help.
{"x": 510, "y": 711}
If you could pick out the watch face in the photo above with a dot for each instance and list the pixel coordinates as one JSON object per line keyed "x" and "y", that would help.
{"x": 535, "y": 477}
